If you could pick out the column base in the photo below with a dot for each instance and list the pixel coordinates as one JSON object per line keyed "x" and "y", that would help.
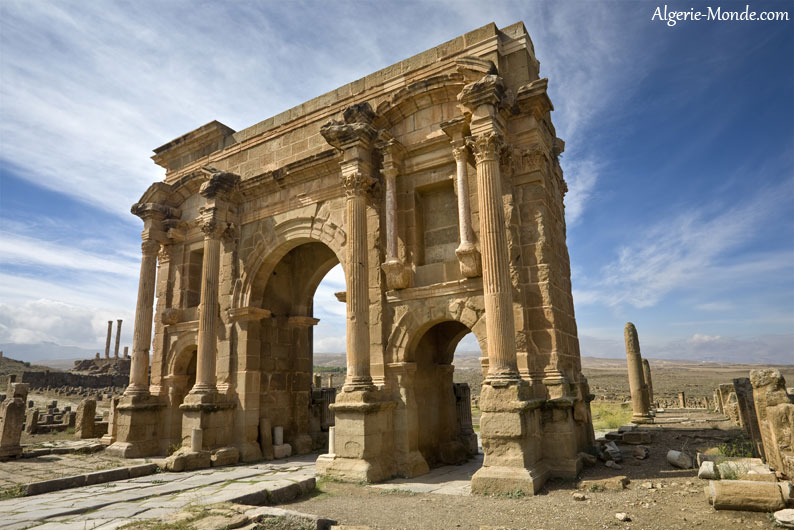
{"x": 505, "y": 480}
{"x": 469, "y": 260}
{"x": 138, "y": 423}
{"x": 363, "y": 438}
{"x": 641, "y": 419}
{"x": 10, "y": 451}
{"x": 398, "y": 275}
{"x": 411, "y": 465}
{"x": 212, "y": 415}
{"x": 510, "y": 428}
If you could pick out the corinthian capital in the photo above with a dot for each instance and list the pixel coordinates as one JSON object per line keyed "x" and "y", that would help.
{"x": 209, "y": 223}
{"x": 486, "y": 146}
{"x": 356, "y": 183}
{"x": 150, "y": 247}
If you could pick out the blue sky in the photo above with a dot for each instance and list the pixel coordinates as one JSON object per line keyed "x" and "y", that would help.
{"x": 679, "y": 157}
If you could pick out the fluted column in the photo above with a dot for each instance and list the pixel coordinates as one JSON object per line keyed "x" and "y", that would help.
{"x": 358, "y": 370}
{"x": 208, "y": 310}
{"x": 468, "y": 256}
{"x": 497, "y": 289}
{"x": 142, "y": 331}
{"x": 639, "y": 398}
{"x": 354, "y": 138}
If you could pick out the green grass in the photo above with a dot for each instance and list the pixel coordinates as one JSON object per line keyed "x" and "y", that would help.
{"x": 609, "y": 415}
{"x": 13, "y": 492}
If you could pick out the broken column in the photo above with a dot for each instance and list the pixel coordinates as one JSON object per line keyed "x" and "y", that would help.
{"x": 775, "y": 410}
{"x": 639, "y": 397}
{"x": 126, "y": 352}
{"x": 747, "y": 415}
{"x": 682, "y": 400}
{"x": 12, "y": 418}
{"x": 118, "y": 338}
{"x": 466, "y": 433}
{"x": 107, "y": 342}
{"x": 84, "y": 423}
{"x": 32, "y": 421}
{"x": 646, "y": 374}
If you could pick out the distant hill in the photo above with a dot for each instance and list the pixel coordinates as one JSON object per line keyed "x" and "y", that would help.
{"x": 13, "y": 366}
{"x": 46, "y": 350}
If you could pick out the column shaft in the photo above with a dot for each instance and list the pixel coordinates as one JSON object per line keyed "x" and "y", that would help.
{"x": 497, "y": 288}
{"x": 118, "y": 338}
{"x": 639, "y": 403}
{"x": 464, "y": 210}
{"x": 391, "y": 216}
{"x": 142, "y": 331}
{"x": 208, "y": 318}
{"x": 107, "y": 341}
{"x": 358, "y": 372}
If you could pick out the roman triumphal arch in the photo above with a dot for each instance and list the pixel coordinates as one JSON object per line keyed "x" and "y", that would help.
{"x": 436, "y": 184}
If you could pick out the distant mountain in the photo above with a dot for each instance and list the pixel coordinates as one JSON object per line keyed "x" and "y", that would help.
{"x": 45, "y": 350}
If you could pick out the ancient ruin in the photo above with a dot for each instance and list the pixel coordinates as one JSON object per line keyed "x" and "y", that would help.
{"x": 12, "y": 420}
{"x": 436, "y": 184}
{"x": 640, "y": 397}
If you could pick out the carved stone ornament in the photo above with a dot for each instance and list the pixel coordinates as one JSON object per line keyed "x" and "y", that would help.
{"x": 486, "y": 146}
{"x": 490, "y": 90}
{"x": 150, "y": 247}
{"x": 339, "y": 134}
{"x": 220, "y": 183}
{"x": 356, "y": 183}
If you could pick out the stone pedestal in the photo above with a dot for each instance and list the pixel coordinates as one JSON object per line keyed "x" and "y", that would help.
{"x": 12, "y": 417}
{"x": 511, "y": 441}
{"x": 138, "y": 423}
{"x": 362, "y": 438}
{"x": 84, "y": 425}
{"x": 212, "y": 419}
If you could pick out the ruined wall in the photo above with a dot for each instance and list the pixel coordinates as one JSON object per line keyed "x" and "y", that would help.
{"x": 57, "y": 379}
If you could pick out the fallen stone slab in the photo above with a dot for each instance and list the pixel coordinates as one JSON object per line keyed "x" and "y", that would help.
{"x": 612, "y": 483}
{"x": 747, "y": 495}
{"x": 315, "y": 521}
{"x": 270, "y": 492}
{"x": 142, "y": 470}
{"x": 679, "y": 459}
{"x": 636, "y": 437}
{"x": 46, "y": 486}
{"x": 89, "y": 479}
{"x": 107, "y": 475}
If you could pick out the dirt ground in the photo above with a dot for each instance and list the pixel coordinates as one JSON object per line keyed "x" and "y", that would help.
{"x": 658, "y": 497}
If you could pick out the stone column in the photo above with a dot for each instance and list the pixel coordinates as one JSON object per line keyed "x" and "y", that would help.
{"x": 142, "y": 330}
{"x": 646, "y": 375}
{"x": 497, "y": 289}
{"x": 468, "y": 256}
{"x": 118, "y": 339}
{"x": 639, "y": 403}
{"x": 398, "y": 274}
{"x": 107, "y": 342}
{"x": 208, "y": 310}
{"x": 682, "y": 400}
{"x": 354, "y": 139}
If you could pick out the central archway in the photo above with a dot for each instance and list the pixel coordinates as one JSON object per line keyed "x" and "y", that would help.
{"x": 285, "y": 286}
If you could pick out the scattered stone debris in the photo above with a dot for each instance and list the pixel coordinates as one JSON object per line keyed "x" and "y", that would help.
{"x": 623, "y": 517}
{"x": 785, "y": 517}
{"x": 679, "y": 459}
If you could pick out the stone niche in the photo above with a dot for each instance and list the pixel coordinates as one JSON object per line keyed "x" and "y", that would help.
{"x": 436, "y": 184}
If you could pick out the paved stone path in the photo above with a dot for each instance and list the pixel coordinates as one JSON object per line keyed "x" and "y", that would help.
{"x": 447, "y": 480}
{"x": 46, "y": 467}
{"x": 111, "y": 505}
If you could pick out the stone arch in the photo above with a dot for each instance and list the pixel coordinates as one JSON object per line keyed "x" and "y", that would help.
{"x": 410, "y": 328}
{"x": 271, "y": 248}
{"x": 417, "y": 96}
{"x": 179, "y": 352}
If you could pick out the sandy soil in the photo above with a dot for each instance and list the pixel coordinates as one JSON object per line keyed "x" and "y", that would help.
{"x": 659, "y": 497}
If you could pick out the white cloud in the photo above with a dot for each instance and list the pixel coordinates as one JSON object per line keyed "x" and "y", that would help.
{"x": 581, "y": 176}
{"x": 688, "y": 250}
{"x": 698, "y": 338}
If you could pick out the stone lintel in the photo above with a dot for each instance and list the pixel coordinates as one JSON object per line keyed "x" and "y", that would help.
{"x": 243, "y": 314}
{"x": 470, "y": 286}
{"x": 302, "y": 321}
